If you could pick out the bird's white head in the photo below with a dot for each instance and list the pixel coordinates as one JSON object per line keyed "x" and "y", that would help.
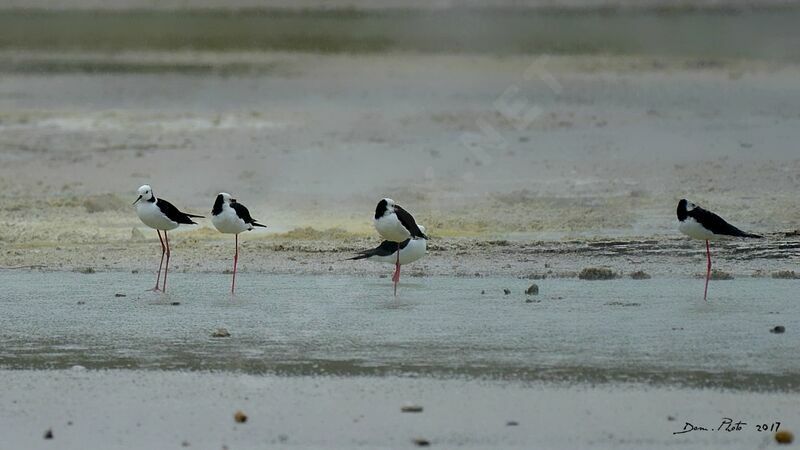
{"x": 145, "y": 193}
{"x": 223, "y": 199}
{"x": 385, "y": 207}
{"x": 226, "y": 198}
{"x": 684, "y": 207}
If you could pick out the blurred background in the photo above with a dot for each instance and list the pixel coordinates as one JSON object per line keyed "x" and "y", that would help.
{"x": 516, "y": 119}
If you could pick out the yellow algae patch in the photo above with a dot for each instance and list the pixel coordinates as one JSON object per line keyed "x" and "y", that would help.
{"x": 313, "y": 234}
{"x": 105, "y": 202}
{"x": 204, "y": 232}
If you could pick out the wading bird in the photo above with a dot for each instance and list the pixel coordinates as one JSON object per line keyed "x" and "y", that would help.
{"x": 229, "y": 216}
{"x": 160, "y": 215}
{"x": 395, "y": 224}
{"x": 410, "y": 250}
{"x": 698, "y": 223}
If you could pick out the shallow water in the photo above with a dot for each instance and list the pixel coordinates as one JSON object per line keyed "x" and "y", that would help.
{"x": 655, "y": 331}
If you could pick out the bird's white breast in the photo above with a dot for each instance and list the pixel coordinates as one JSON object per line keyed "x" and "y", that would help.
{"x": 694, "y": 230}
{"x": 228, "y": 222}
{"x": 390, "y": 228}
{"x": 151, "y": 215}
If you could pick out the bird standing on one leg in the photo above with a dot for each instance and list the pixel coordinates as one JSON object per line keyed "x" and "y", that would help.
{"x": 395, "y": 224}
{"x": 160, "y": 215}
{"x": 698, "y": 223}
{"x": 229, "y": 216}
{"x": 410, "y": 250}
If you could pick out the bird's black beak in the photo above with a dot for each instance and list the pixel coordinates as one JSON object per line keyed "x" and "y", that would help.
{"x": 233, "y": 200}
{"x": 137, "y": 200}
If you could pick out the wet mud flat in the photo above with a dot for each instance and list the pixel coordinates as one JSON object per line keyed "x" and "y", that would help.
{"x": 656, "y": 331}
{"x": 310, "y": 251}
{"x": 331, "y": 361}
{"x": 178, "y": 409}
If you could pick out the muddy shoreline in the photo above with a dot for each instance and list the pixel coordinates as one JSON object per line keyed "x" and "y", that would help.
{"x": 657, "y": 256}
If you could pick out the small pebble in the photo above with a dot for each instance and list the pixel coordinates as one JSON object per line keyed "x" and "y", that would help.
{"x": 81, "y": 302}
{"x": 512, "y": 423}
{"x": 532, "y": 290}
{"x": 175, "y": 303}
{"x": 411, "y": 408}
{"x": 778, "y": 329}
{"x": 718, "y": 275}
{"x": 640, "y": 275}
{"x": 536, "y": 276}
{"x": 185, "y": 444}
{"x": 120, "y": 295}
{"x": 784, "y": 437}
{"x": 597, "y": 273}
{"x": 49, "y": 434}
{"x": 221, "y": 333}
{"x": 420, "y": 442}
{"x": 785, "y": 274}
{"x": 78, "y": 367}
{"x": 506, "y": 291}
{"x": 483, "y": 292}
{"x": 240, "y": 417}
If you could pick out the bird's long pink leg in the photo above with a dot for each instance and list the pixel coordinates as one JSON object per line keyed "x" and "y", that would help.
{"x": 708, "y": 270}
{"x": 161, "y": 264}
{"x": 166, "y": 269}
{"x": 396, "y": 276}
{"x": 235, "y": 262}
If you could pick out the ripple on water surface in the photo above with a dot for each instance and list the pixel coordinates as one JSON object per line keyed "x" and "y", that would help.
{"x": 656, "y": 330}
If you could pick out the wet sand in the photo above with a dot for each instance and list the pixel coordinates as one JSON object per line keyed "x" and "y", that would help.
{"x": 328, "y": 362}
{"x": 656, "y": 331}
{"x": 149, "y": 409}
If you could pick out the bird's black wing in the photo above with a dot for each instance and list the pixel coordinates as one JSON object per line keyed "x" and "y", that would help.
{"x": 174, "y": 214}
{"x": 244, "y": 214}
{"x": 717, "y": 224}
{"x": 408, "y": 221}
{"x": 386, "y": 248}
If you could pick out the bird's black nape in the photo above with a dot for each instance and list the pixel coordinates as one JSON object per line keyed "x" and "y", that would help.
{"x": 217, "y": 209}
{"x": 380, "y": 210}
{"x": 682, "y": 214}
